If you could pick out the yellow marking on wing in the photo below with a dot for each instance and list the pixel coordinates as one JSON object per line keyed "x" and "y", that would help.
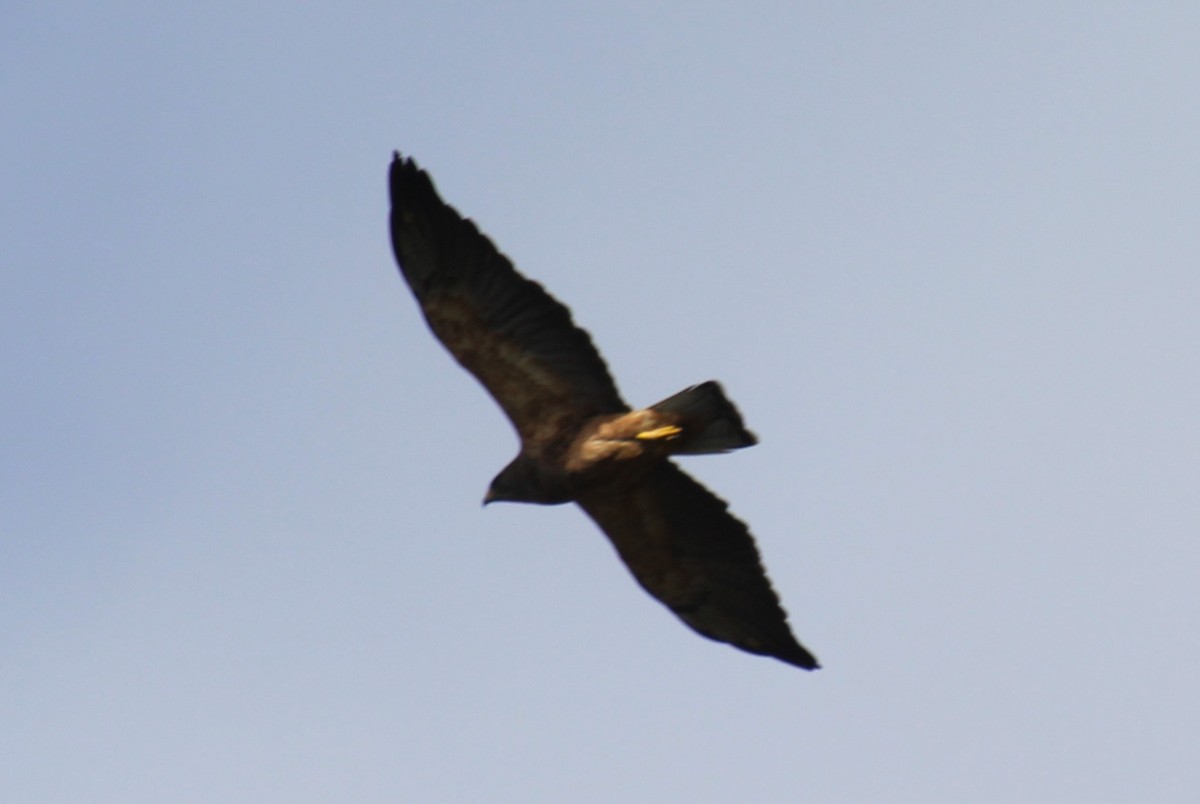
{"x": 660, "y": 433}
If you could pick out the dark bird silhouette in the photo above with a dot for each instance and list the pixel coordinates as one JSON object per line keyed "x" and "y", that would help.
{"x": 579, "y": 441}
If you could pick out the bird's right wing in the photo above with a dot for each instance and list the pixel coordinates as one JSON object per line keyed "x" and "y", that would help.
{"x": 685, "y": 548}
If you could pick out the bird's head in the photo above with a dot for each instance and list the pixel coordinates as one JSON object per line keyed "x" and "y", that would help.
{"x": 523, "y": 480}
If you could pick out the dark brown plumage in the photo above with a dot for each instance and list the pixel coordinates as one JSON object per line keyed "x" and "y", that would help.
{"x": 579, "y": 441}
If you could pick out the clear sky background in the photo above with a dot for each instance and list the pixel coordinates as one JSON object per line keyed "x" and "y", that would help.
{"x": 943, "y": 256}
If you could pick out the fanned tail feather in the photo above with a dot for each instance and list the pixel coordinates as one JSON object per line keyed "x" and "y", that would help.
{"x": 710, "y": 422}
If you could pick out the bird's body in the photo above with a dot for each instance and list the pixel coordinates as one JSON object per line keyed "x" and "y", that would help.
{"x": 580, "y": 442}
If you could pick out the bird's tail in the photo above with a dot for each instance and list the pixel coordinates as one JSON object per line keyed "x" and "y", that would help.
{"x": 709, "y": 421}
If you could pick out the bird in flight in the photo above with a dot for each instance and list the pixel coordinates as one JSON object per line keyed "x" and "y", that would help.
{"x": 580, "y": 442}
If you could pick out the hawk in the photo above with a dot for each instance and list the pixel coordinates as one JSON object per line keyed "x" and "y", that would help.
{"x": 580, "y": 442}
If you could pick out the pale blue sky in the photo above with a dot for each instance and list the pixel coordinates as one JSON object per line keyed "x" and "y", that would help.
{"x": 945, "y": 261}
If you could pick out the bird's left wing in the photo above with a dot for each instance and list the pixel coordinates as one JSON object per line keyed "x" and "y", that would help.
{"x": 685, "y": 548}
{"x": 506, "y": 330}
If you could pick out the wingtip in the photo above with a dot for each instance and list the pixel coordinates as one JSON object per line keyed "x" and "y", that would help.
{"x": 399, "y": 160}
{"x": 402, "y": 162}
{"x": 795, "y": 654}
{"x": 404, "y": 171}
{"x": 804, "y": 660}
